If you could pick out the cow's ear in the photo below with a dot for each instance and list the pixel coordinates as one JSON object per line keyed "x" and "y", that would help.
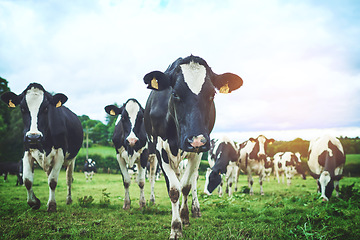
{"x": 252, "y": 140}
{"x": 227, "y": 82}
{"x": 113, "y": 110}
{"x": 271, "y": 141}
{"x": 337, "y": 177}
{"x": 11, "y": 99}
{"x": 59, "y": 99}
{"x": 314, "y": 175}
{"x": 157, "y": 80}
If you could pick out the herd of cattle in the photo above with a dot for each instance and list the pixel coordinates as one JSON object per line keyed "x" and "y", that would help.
{"x": 175, "y": 125}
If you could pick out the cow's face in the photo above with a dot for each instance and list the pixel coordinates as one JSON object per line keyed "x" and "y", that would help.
{"x": 191, "y": 104}
{"x": 36, "y": 104}
{"x": 259, "y": 147}
{"x": 132, "y": 122}
{"x": 213, "y": 179}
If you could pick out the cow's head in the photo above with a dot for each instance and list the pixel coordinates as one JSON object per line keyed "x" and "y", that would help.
{"x": 37, "y": 106}
{"x": 192, "y": 84}
{"x": 212, "y": 180}
{"x": 131, "y": 121}
{"x": 259, "y": 147}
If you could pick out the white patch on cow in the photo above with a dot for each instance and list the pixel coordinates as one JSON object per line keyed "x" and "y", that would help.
{"x": 132, "y": 109}
{"x": 194, "y": 76}
{"x": 130, "y": 160}
{"x": 206, "y": 191}
{"x": 262, "y": 141}
{"x": 324, "y": 181}
{"x": 34, "y": 97}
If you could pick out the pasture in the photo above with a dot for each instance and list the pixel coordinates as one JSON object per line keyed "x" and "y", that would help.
{"x": 285, "y": 212}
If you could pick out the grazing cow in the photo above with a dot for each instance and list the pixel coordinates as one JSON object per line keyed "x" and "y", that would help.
{"x": 89, "y": 169}
{"x": 13, "y": 168}
{"x": 179, "y": 116}
{"x": 288, "y": 163}
{"x": 130, "y": 143}
{"x": 326, "y": 163}
{"x": 226, "y": 158}
{"x": 269, "y": 166}
{"x": 252, "y": 160}
{"x": 53, "y": 136}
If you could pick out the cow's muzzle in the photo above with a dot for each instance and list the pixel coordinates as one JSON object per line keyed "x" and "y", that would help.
{"x": 196, "y": 144}
{"x": 33, "y": 139}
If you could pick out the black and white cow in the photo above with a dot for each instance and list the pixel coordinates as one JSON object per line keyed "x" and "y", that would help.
{"x": 288, "y": 163}
{"x": 53, "y": 136}
{"x": 269, "y": 167}
{"x": 89, "y": 169}
{"x": 130, "y": 142}
{"x": 226, "y": 162}
{"x": 13, "y": 168}
{"x": 326, "y": 163}
{"x": 179, "y": 116}
{"x": 252, "y": 160}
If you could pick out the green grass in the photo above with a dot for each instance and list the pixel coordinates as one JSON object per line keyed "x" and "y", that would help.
{"x": 284, "y": 212}
{"x": 101, "y": 150}
{"x": 352, "y": 159}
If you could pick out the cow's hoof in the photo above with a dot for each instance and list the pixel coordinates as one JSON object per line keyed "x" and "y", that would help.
{"x": 68, "y": 200}
{"x": 35, "y": 205}
{"x": 142, "y": 204}
{"x": 262, "y": 194}
{"x": 176, "y": 230}
{"x": 126, "y": 206}
{"x": 184, "y": 215}
{"x": 51, "y": 207}
{"x": 196, "y": 212}
{"x": 152, "y": 200}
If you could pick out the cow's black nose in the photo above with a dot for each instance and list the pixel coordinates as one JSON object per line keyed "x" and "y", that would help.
{"x": 197, "y": 144}
{"x": 33, "y": 138}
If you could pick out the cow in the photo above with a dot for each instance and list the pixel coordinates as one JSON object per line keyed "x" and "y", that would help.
{"x": 269, "y": 166}
{"x": 226, "y": 157}
{"x": 131, "y": 147}
{"x": 13, "y": 168}
{"x": 252, "y": 160}
{"x": 53, "y": 136}
{"x": 326, "y": 163}
{"x": 179, "y": 116}
{"x": 288, "y": 163}
{"x": 89, "y": 169}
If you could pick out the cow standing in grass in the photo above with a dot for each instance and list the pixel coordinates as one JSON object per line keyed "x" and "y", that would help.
{"x": 53, "y": 136}
{"x": 89, "y": 169}
{"x": 13, "y": 168}
{"x": 130, "y": 143}
{"x": 179, "y": 116}
{"x": 326, "y": 163}
{"x": 288, "y": 164}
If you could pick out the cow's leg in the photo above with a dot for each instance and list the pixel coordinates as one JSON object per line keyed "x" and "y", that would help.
{"x": 28, "y": 177}
{"x": 195, "y": 207}
{"x": 237, "y": 178}
{"x": 229, "y": 179}
{"x": 277, "y": 175}
{"x": 261, "y": 178}
{"x": 53, "y": 175}
{"x": 221, "y": 186}
{"x": 126, "y": 181}
{"x": 336, "y": 185}
{"x": 141, "y": 183}
{"x": 153, "y": 164}
{"x": 69, "y": 180}
{"x": 250, "y": 182}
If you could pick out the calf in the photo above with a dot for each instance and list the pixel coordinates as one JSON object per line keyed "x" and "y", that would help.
{"x": 252, "y": 159}
{"x": 89, "y": 169}
{"x": 179, "y": 116}
{"x": 13, "y": 168}
{"x": 326, "y": 163}
{"x": 130, "y": 143}
{"x": 53, "y": 136}
{"x": 226, "y": 158}
{"x": 288, "y": 163}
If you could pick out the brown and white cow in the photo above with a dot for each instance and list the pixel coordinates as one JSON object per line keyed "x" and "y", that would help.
{"x": 288, "y": 164}
{"x": 326, "y": 163}
{"x": 252, "y": 160}
{"x": 179, "y": 116}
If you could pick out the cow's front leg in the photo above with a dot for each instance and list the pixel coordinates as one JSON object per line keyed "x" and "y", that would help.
{"x": 126, "y": 181}
{"x": 261, "y": 178}
{"x": 153, "y": 164}
{"x": 53, "y": 175}
{"x": 141, "y": 183}
{"x": 250, "y": 182}
{"x": 28, "y": 178}
{"x": 195, "y": 207}
{"x": 69, "y": 180}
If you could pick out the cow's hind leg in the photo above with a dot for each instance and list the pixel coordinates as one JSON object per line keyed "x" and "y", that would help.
{"x": 141, "y": 183}
{"x": 28, "y": 177}
{"x": 153, "y": 164}
{"x": 126, "y": 181}
{"x": 69, "y": 180}
{"x": 336, "y": 185}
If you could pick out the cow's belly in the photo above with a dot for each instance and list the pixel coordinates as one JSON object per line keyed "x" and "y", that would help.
{"x": 46, "y": 162}
{"x": 130, "y": 159}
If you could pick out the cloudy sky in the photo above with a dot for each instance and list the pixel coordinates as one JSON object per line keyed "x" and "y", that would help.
{"x": 300, "y": 60}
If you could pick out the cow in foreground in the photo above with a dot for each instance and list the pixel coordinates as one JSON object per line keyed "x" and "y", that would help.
{"x": 226, "y": 158}
{"x": 179, "y": 116}
{"x": 130, "y": 143}
{"x": 13, "y": 168}
{"x": 288, "y": 164}
{"x": 53, "y": 136}
{"x": 326, "y": 163}
{"x": 89, "y": 169}
{"x": 252, "y": 160}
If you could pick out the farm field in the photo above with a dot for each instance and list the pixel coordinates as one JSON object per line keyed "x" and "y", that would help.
{"x": 284, "y": 212}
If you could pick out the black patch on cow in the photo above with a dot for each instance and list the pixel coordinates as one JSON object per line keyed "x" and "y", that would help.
{"x": 165, "y": 156}
{"x": 255, "y": 150}
{"x": 144, "y": 158}
{"x": 322, "y": 158}
{"x": 279, "y": 165}
{"x": 329, "y": 189}
{"x": 28, "y": 184}
{"x": 52, "y": 184}
{"x": 185, "y": 190}
{"x": 214, "y": 181}
{"x": 339, "y": 156}
{"x": 174, "y": 194}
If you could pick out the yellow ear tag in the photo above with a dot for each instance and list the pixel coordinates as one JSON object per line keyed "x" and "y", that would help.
{"x": 112, "y": 112}
{"x": 154, "y": 83}
{"x": 58, "y": 104}
{"x": 11, "y": 104}
{"x": 225, "y": 89}
{"x": 270, "y": 143}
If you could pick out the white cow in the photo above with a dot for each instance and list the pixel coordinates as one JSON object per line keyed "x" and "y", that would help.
{"x": 288, "y": 164}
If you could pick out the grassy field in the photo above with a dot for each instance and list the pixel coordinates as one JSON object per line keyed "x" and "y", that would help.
{"x": 284, "y": 212}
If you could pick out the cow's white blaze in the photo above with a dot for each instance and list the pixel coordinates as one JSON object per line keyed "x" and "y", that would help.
{"x": 262, "y": 141}
{"x": 194, "y": 76}
{"x": 34, "y": 97}
{"x": 132, "y": 109}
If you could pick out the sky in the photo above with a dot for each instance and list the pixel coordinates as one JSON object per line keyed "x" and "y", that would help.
{"x": 299, "y": 60}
